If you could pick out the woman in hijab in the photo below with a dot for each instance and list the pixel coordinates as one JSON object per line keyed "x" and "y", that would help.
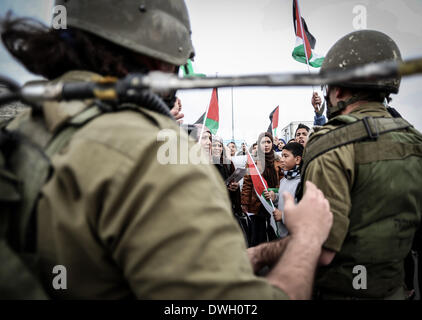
{"x": 269, "y": 166}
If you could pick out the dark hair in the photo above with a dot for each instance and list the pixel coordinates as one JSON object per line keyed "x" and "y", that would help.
{"x": 369, "y": 94}
{"x": 231, "y": 143}
{"x": 251, "y": 148}
{"x": 295, "y": 148}
{"x": 263, "y": 135}
{"x": 51, "y": 53}
{"x": 302, "y": 126}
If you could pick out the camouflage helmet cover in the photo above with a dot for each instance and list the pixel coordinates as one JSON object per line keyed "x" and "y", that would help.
{"x": 363, "y": 47}
{"x": 156, "y": 28}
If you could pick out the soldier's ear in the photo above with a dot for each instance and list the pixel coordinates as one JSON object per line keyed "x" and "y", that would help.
{"x": 342, "y": 93}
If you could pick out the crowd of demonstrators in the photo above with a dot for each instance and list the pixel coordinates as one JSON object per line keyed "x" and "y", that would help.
{"x": 270, "y": 166}
{"x": 226, "y": 168}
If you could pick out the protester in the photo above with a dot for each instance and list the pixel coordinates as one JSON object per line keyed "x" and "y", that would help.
{"x": 253, "y": 150}
{"x": 281, "y": 144}
{"x": 302, "y": 134}
{"x": 226, "y": 168}
{"x": 291, "y": 159}
{"x": 176, "y": 111}
{"x": 227, "y": 151}
{"x": 270, "y": 166}
{"x": 242, "y": 152}
{"x": 319, "y": 118}
{"x": 205, "y": 140}
{"x": 233, "y": 148}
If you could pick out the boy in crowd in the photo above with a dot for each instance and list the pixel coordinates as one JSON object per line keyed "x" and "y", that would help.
{"x": 302, "y": 134}
{"x": 291, "y": 159}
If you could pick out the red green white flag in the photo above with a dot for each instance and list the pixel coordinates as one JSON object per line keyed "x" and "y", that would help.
{"x": 274, "y": 122}
{"x": 212, "y": 118}
{"x": 305, "y": 41}
{"x": 260, "y": 185}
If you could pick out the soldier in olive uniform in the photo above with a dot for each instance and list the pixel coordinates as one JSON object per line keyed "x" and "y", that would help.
{"x": 369, "y": 166}
{"x": 122, "y": 223}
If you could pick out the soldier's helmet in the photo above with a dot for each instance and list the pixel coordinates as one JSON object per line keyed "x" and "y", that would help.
{"x": 359, "y": 48}
{"x": 156, "y": 28}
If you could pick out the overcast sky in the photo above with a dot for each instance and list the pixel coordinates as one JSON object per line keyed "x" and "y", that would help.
{"x": 250, "y": 36}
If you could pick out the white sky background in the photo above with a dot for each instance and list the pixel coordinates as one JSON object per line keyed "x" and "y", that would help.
{"x": 238, "y": 37}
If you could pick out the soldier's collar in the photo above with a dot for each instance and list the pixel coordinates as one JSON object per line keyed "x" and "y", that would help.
{"x": 57, "y": 113}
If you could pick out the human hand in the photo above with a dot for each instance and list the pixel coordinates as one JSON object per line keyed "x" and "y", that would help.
{"x": 278, "y": 215}
{"x": 233, "y": 186}
{"x": 254, "y": 256}
{"x": 176, "y": 111}
{"x": 311, "y": 217}
{"x": 316, "y": 101}
{"x": 244, "y": 208}
{"x": 269, "y": 195}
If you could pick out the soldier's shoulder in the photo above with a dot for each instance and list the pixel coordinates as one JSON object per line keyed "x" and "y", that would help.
{"x": 331, "y": 125}
{"x": 130, "y": 132}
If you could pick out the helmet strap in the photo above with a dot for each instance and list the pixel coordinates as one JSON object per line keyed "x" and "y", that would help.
{"x": 333, "y": 111}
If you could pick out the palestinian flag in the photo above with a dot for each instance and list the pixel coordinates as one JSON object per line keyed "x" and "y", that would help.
{"x": 260, "y": 185}
{"x": 305, "y": 41}
{"x": 188, "y": 70}
{"x": 211, "y": 121}
{"x": 272, "y": 128}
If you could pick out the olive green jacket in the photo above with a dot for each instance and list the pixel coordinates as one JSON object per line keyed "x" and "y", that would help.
{"x": 125, "y": 225}
{"x": 375, "y": 194}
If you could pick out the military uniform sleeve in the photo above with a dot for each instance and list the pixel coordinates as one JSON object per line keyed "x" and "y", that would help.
{"x": 171, "y": 231}
{"x": 179, "y": 239}
{"x": 333, "y": 173}
{"x": 126, "y": 225}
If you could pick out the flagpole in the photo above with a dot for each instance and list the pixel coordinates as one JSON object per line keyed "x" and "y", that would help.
{"x": 303, "y": 36}
{"x": 304, "y": 41}
{"x": 232, "y": 118}
{"x": 203, "y": 124}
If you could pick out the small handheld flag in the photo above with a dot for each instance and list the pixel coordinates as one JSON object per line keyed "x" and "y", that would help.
{"x": 212, "y": 119}
{"x": 274, "y": 116}
{"x": 260, "y": 185}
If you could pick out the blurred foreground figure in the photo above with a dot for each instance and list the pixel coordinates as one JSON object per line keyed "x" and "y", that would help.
{"x": 123, "y": 223}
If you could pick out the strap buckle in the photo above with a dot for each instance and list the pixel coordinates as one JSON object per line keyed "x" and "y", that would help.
{"x": 371, "y": 134}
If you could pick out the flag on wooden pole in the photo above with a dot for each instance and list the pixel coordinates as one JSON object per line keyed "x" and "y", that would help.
{"x": 305, "y": 41}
